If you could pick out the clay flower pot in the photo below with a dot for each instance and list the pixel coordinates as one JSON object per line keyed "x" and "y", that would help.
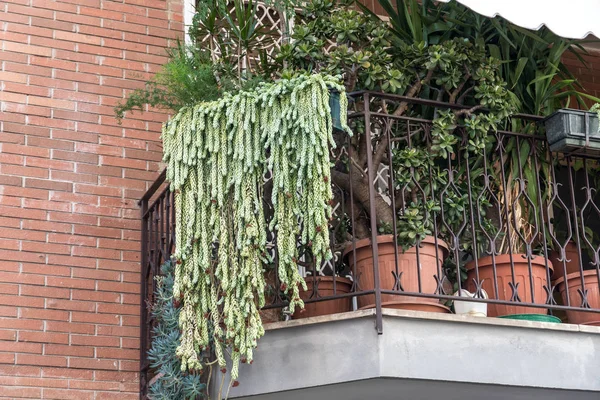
{"x": 571, "y": 261}
{"x": 325, "y": 289}
{"x": 593, "y": 296}
{"x": 430, "y": 257}
{"x": 504, "y": 278}
{"x": 271, "y": 314}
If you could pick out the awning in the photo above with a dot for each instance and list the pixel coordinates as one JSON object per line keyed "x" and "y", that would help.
{"x": 574, "y": 19}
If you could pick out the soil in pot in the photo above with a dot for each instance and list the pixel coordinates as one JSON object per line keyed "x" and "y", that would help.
{"x": 504, "y": 279}
{"x": 431, "y": 258}
{"x": 593, "y": 296}
{"x": 571, "y": 262}
{"x": 325, "y": 289}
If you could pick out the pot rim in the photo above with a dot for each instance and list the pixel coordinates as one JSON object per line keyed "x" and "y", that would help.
{"x": 392, "y": 303}
{"x": 390, "y": 238}
{"x": 575, "y": 275}
{"x": 327, "y": 278}
{"x": 517, "y": 258}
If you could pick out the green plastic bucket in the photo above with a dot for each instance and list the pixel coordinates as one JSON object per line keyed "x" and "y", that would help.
{"x": 533, "y": 317}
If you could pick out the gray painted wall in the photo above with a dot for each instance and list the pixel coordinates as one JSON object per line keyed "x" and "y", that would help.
{"x": 468, "y": 354}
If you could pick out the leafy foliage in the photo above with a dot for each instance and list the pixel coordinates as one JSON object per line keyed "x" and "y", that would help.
{"x": 217, "y": 155}
{"x": 171, "y": 382}
{"x": 186, "y": 79}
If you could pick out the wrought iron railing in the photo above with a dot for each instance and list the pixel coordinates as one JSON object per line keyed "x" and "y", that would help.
{"x": 506, "y": 221}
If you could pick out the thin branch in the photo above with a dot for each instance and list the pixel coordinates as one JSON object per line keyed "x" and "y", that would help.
{"x": 460, "y": 87}
{"x": 468, "y": 112}
{"x": 412, "y": 92}
{"x": 461, "y": 99}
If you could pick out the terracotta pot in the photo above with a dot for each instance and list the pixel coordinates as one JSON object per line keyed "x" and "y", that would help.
{"x": 430, "y": 258}
{"x": 571, "y": 262}
{"x": 419, "y": 305}
{"x": 593, "y": 296}
{"x": 504, "y": 278}
{"x": 325, "y": 289}
{"x": 271, "y": 314}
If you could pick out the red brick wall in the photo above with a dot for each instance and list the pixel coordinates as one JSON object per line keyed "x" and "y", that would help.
{"x": 587, "y": 74}
{"x": 70, "y": 177}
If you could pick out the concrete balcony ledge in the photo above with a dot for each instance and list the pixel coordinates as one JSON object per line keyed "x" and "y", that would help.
{"x": 422, "y": 356}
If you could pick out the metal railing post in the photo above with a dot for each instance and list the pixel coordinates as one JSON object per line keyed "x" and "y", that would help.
{"x": 143, "y": 296}
{"x": 373, "y": 214}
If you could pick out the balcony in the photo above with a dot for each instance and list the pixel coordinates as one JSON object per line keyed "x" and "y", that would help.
{"x": 503, "y": 221}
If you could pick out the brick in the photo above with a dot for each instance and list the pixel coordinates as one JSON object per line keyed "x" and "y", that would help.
{"x": 50, "y": 185}
{"x": 88, "y": 295}
{"x": 75, "y": 156}
{"x": 70, "y": 305}
{"x": 48, "y": 248}
{"x": 10, "y": 335}
{"x": 70, "y": 394}
{"x": 90, "y": 385}
{"x": 33, "y": 348}
{"x": 73, "y": 177}
{"x": 130, "y": 343}
{"x": 105, "y": 319}
{"x": 13, "y": 323}
{"x": 26, "y": 89}
{"x": 21, "y": 301}
{"x": 18, "y": 392}
{"x": 60, "y": 281}
{"x": 44, "y": 292}
{"x": 69, "y": 327}
{"x": 119, "y": 354}
{"x": 58, "y": 24}
{"x": 100, "y": 170}
{"x": 98, "y": 190}
{"x": 66, "y": 350}
{"x": 43, "y": 337}
{"x": 34, "y": 313}
{"x": 45, "y": 269}
{"x": 9, "y": 277}
{"x": 27, "y": 49}
{"x": 35, "y": 382}
{"x": 70, "y": 239}
{"x": 97, "y": 231}
{"x": 66, "y": 373}
{"x": 96, "y": 274}
{"x": 118, "y": 244}
{"x": 21, "y": 256}
{"x": 90, "y": 363}
{"x": 52, "y": 164}
{"x": 89, "y": 340}
{"x": 129, "y": 365}
{"x": 121, "y": 287}
{"x": 18, "y": 370}
{"x": 118, "y": 309}
{"x": 46, "y": 226}
{"x": 72, "y": 261}
{"x": 37, "y": 360}
{"x": 46, "y": 205}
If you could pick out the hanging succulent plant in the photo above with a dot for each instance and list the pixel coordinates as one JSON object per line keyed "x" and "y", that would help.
{"x": 217, "y": 156}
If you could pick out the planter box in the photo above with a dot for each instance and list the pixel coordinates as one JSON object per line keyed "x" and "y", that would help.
{"x": 334, "y": 104}
{"x": 573, "y": 131}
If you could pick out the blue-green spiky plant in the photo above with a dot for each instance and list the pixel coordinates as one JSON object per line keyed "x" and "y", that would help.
{"x": 170, "y": 382}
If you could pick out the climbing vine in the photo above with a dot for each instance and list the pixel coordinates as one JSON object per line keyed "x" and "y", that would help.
{"x": 218, "y": 154}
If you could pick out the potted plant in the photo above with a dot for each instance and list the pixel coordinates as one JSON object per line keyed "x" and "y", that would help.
{"x": 329, "y": 279}
{"x": 583, "y": 291}
{"x": 574, "y": 131}
{"x": 359, "y": 48}
{"x": 509, "y": 262}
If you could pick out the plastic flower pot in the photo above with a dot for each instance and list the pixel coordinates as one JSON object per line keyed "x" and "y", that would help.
{"x": 570, "y": 131}
{"x": 472, "y": 308}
